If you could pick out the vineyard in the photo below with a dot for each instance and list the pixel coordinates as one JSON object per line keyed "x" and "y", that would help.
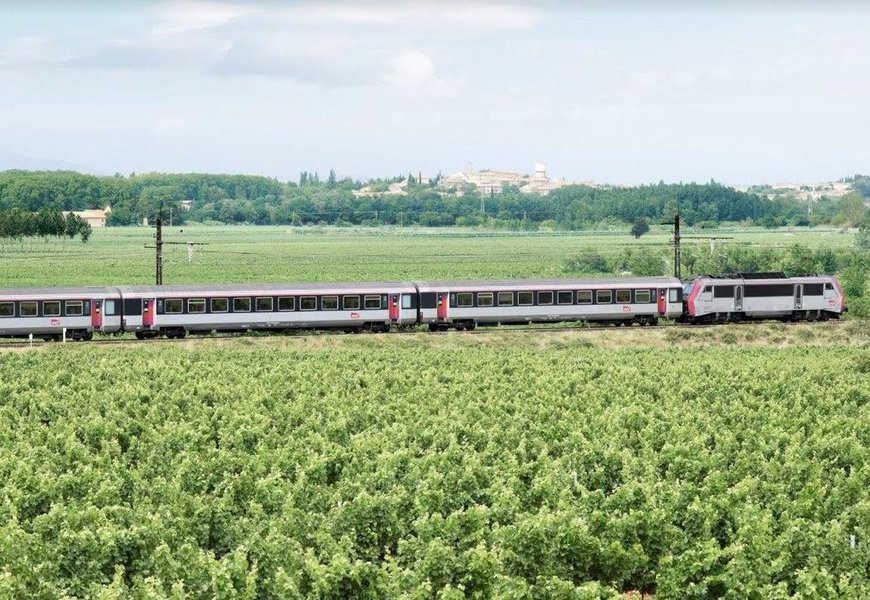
{"x": 336, "y": 467}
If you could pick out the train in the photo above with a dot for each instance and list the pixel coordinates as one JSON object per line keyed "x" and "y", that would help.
{"x": 174, "y": 311}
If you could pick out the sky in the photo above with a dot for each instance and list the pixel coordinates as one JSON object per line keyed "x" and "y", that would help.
{"x": 611, "y": 91}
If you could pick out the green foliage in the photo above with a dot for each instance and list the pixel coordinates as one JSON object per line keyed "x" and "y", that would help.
{"x": 851, "y": 211}
{"x": 18, "y": 224}
{"x": 861, "y": 184}
{"x": 260, "y": 200}
{"x": 329, "y": 472}
{"x": 862, "y": 237}
{"x": 588, "y": 261}
{"x": 640, "y": 227}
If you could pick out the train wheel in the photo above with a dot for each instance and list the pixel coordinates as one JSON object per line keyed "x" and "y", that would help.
{"x": 140, "y": 335}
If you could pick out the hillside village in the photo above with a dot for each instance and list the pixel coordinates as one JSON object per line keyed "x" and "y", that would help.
{"x": 485, "y": 181}
{"x": 495, "y": 181}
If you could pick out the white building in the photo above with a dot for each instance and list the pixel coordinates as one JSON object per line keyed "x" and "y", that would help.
{"x": 489, "y": 181}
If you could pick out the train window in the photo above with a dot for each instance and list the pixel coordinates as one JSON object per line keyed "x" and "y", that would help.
{"x": 408, "y": 301}
{"x": 51, "y": 308}
{"x": 584, "y": 297}
{"x": 812, "y": 289}
{"x": 350, "y": 302}
{"x": 196, "y": 306}
{"x": 465, "y": 299}
{"x": 565, "y": 297}
{"x": 525, "y": 298}
{"x": 308, "y": 303}
{"x": 74, "y": 308}
{"x": 623, "y": 296}
{"x": 545, "y": 298}
{"x": 505, "y": 298}
{"x": 484, "y": 298}
{"x": 219, "y": 305}
{"x": 603, "y": 297}
{"x": 263, "y": 304}
{"x": 641, "y": 296}
{"x": 109, "y": 308}
{"x": 27, "y": 309}
{"x": 372, "y": 302}
{"x": 7, "y": 309}
{"x": 723, "y": 291}
{"x": 829, "y": 287}
{"x": 329, "y": 303}
{"x": 768, "y": 290}
{"x": 173, "y": 306}
{"x": 674, "y": 295}
{"x": 286, "y": 303}
{"x": 241, "y": 305}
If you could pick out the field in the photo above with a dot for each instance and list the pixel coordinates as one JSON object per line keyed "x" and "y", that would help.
{"x": 327, "y": 467}
{"x": 683, "y": 463}
{"x": 238, "y": 254}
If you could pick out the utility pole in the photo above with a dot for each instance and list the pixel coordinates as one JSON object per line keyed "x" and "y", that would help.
{"x": 678, "y": 238}
{"x": 676, "y": 224}
{"x": 677, "y": 270}
{"x": 158, "y": 244}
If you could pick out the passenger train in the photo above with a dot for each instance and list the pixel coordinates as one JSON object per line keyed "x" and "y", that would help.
{"x": 177, "y": 310}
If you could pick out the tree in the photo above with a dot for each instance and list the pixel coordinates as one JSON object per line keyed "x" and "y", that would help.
{"x": 862, "y": 238}
{"x": 639, "y": 228}
{"x": 850, "y": 210}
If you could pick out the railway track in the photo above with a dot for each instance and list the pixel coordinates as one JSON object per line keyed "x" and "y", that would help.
{"x": 499, "y": 330}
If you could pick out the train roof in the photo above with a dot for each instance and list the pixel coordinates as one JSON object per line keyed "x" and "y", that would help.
{"x": 289, "y": 286}
{"x": 761, "y": 277}
{"x": 334, "y": 287}
{"x": 551, "y": 283}
{"x": 84, "y": 292}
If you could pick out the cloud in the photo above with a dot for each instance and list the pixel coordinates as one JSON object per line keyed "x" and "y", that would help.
{"x": 414, "y": 70}
{"x": 422, "y": 15}
{"x": 24, "y": 51}
{"x": 327, "y": 43}
{"x": 410, "y": 67}
{"x": 193, "y": 15}
{"x": 332, "y": 62}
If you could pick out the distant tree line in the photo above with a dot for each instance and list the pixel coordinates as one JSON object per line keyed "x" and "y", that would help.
{"x": 330, "y": 200}
{"x": 18, "y": 224}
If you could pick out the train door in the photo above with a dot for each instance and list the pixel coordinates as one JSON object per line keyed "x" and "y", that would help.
{"x": 798, "y": 296}
{"x": 97, "y": 314}
{"x": 443, "y": 303}
{"x": 831, "y": 297}
{"x": 738, "y": 298}
{"x": 148, "y": 307}
{"x": 394, "y": 307}
{"x": 662, "y": 302}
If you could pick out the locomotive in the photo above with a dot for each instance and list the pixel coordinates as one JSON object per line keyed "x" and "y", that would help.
{"x": 178, "y": 310}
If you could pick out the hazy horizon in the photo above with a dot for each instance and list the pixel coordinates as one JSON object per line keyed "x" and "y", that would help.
{"x": 615, "y": 92}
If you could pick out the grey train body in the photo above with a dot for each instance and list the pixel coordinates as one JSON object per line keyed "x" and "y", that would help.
{"x": 177, "y": 310}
